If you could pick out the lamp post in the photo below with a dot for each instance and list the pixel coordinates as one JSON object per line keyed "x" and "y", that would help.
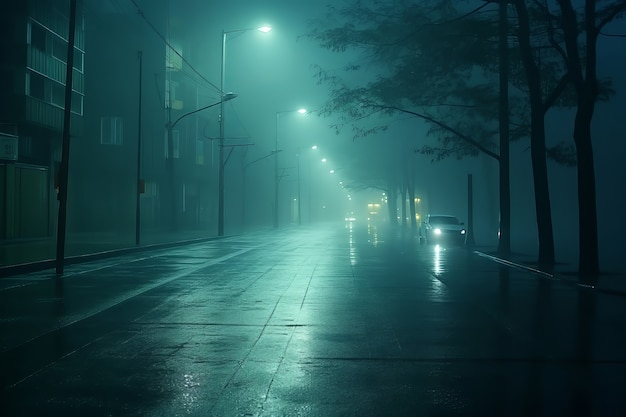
{"x": 139, "y": 188}
{"x": 276, "y": 176}
{"x": 225, "y": 97}
{"x": 170, "y": 125}
{"x": 220, "y": 192}
{"x": 65, "y": 146}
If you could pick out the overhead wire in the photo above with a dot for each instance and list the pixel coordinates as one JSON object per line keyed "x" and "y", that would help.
{"x": 143, "y": 16}
{"x": 217, "y": 89}
{"x": 238, "y": 119}
{"x": 613, "y": 35}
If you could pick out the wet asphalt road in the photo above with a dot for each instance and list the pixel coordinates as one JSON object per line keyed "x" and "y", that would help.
{"x": 333, "y": 321}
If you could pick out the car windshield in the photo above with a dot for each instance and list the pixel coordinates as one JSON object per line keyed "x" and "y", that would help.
{"x": 443, "y": 220}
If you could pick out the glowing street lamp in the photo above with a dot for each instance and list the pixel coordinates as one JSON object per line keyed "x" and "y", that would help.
{"x": 220, "y": 210}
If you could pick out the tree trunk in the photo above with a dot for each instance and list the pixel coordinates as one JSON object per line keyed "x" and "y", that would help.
{"x": 586, "y": 91}
{"x": 392, "y": 203}
{"x": 543, "y": 208}
{"x": 412, "y": 209}
{"x": 588, "y": 257}
{"x": 409, "y": 174}
{"x": 504, "y": 239}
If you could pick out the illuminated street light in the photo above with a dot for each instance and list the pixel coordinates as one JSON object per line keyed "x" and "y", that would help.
{"x": 220, "y": 210}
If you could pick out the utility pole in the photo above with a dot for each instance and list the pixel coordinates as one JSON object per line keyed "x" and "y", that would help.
{"x": 139, "y": 187}
{"x": 170, "y": 128}
{"x": 65, "y": 149}
{"x": 170, "y": 163}
{"x": 220, "y": 180}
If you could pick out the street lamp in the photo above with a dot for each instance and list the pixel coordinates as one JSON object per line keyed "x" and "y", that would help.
{"x": 220, "y": 209}
{"x": 138, "y": 193}
{"x": 276, "y": 176}
{"x": 170, "y": 128}
{"x": 225, "y": 97}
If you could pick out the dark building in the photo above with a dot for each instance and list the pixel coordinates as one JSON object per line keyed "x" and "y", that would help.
{"x": 34, "y": 48}
{"x": 177, "y": 181}
{"x": 103, "y": 163}
{"x": 176, "y": 175}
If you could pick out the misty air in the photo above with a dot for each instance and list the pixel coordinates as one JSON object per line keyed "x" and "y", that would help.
{"x": 366, "y": 207}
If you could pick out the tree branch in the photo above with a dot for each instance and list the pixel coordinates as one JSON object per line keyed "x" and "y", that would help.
{"x": 448, "y": 128}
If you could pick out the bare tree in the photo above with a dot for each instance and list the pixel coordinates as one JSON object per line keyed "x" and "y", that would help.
{"x": 583, "y": 75}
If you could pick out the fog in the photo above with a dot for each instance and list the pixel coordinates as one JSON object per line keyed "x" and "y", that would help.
{"x": 266, "y": 141}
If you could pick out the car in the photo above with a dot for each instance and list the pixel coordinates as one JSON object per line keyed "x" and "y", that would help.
{"x": 443, "y": 228}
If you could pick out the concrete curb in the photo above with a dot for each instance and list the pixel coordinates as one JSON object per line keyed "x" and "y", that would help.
{"x": 10, "y": 270}
{"x": 553, "y": 276}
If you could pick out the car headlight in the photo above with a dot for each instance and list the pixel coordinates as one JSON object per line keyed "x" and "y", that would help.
{"x": 437, "y": 231}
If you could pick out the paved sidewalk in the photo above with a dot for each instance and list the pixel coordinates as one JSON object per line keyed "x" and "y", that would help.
{"x": 302, "y": 322}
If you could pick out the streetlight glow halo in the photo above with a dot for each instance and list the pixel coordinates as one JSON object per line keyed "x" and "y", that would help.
{"x": 264, "y": 28}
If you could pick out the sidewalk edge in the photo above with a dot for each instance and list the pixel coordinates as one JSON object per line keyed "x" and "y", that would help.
{"x": 552, "y": 276}
{"x": 37, "y": 266}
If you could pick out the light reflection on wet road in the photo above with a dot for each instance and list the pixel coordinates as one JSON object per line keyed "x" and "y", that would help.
{"x": 348, "y": 320}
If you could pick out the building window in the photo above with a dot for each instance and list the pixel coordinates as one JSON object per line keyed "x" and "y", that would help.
{"x": 77, "y": 106}
{"x": 111, "y": 131}
{"x": 57, "y": 94}
{"x": 52, "y": 92}
{"x": 35, "y": 86}
{"x": 59, "y": 49}
{"x": 79, "y": 60}
{"x": 36, "y": 36}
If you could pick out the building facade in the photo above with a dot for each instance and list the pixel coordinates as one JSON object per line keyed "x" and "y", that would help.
{"x": 34, "y": 46}
{"x": 133, "y": 140}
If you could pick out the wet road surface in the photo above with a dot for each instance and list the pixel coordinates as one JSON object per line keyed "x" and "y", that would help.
{"x": 336, "y": 321}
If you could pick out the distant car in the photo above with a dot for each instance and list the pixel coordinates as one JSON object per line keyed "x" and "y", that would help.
{"x": 443, "y": 228}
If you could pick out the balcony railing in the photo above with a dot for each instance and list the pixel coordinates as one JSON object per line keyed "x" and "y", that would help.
{"x": 53, "y": 68}
{"x": 50, "y": 116}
